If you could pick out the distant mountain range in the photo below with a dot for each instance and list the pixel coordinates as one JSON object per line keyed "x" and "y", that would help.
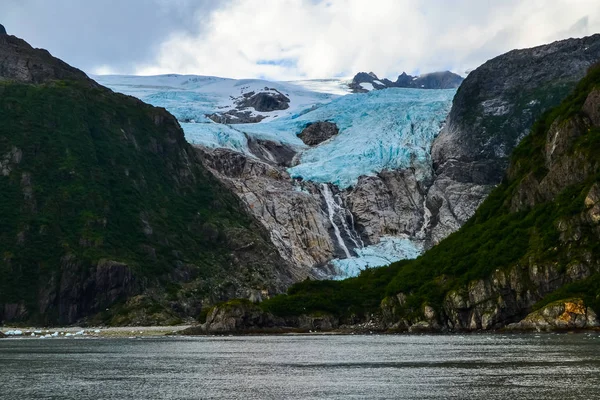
{"x": 366, "y": 82}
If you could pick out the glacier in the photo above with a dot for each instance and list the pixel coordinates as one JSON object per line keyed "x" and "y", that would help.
{"x": 390, "y": 129}
{"x": 388, "y": 250}
{"x": 380, "y": 130}
{"x": 190, "y": 98}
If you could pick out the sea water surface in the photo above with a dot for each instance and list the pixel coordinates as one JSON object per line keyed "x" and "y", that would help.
{"x": 547, "y": 366}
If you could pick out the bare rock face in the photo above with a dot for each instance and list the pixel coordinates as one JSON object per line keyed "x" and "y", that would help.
{"x": 2, "y": 30}
{"x": 492, "y": 111}
{"x": 266, "y": 101}
{"x": 318, "y": 132}
{"x": 291, "y": 212}
{"x": 392, "y": 203}
{"x": 21, "y": 62}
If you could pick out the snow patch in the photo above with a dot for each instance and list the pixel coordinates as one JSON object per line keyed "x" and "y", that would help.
{"x": 367, "y": 86}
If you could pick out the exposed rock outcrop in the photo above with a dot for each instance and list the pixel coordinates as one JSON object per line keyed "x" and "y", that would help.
{"x": 265, "y": 101}
{"x": 236, "y": 316}
{"x": 560, "y": 315}
{"x": 318, "y": 132}
{"x": 2, "y": 30}
{"x": 392, "y": 203}
{"x": 235, "y": 117}
{"x": 492, "y": 111}
{"x": 270, "y": 100}
{"x": 21, "y": 62}
{"x": 292, "y": 212}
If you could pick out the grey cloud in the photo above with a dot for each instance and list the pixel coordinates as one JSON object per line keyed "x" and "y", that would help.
{"x": 91, "y": 33}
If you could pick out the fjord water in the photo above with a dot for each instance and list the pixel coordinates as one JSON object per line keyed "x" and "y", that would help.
{"x": 304, "y": 367}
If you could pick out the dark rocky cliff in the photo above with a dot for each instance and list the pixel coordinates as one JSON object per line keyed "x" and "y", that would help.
{"x": 106, "y": 212}
{"x": 492, "y": 111}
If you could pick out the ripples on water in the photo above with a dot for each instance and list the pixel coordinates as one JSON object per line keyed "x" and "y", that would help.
{"x": 304, "y": 367}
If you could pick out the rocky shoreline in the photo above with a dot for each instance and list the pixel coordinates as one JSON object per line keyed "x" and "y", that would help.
{"x": 245, "y": 318}
{"x": 90, "y": 332}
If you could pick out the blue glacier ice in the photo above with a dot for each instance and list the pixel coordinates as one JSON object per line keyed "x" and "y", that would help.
{"x": 388, "y": 250}
{"x": 190, "y": 97}
{"x": 213, "y": 135}
{"x": 381, "y": 130}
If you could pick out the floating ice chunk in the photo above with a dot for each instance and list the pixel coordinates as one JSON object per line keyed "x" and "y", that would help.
{"x": 80, "y": 333}
{"x": 14, "y": 333}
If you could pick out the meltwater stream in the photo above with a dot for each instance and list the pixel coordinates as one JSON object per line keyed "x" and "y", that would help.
{"x": 304, "y": 367}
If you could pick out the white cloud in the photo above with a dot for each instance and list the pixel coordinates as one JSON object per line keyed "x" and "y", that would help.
{"x": 286, "y": 39}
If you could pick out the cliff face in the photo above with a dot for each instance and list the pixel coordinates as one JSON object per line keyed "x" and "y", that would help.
{"x": 107, "y": 212}
{"x": 492, "y": 111}
{"x": 528, "y": 259}
{"x": 552, "y": 187}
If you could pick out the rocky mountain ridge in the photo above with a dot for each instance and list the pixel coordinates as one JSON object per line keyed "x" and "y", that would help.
{"x": 492, "y": 111}
{"x": 365, "y": 82}
{"x": 108, "y": 214}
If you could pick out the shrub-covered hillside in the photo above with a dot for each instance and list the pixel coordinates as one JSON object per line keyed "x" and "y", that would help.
{"x": 104, "y": 207}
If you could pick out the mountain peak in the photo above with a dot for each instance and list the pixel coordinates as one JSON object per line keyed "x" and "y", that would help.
{"x": 23, "y": 63}
{"x": 2, "y": 30}
{"x": 362, "y": 81}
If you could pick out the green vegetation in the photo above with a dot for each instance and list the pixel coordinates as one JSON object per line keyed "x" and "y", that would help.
{"x": 95, "y": 175}
{"x": 496, "y": 238}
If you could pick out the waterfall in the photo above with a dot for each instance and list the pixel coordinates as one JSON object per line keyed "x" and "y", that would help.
{"x": 352, "y": 234}
{"x": 335, "y": 209}
{"x": 426, "y": 219}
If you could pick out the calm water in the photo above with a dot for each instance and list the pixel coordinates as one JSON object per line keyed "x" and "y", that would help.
{"x": 304, "y": 367}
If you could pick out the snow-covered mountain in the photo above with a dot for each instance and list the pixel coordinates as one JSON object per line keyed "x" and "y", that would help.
{"x": 193, "y": 98}
{"x": 337, "y": 206}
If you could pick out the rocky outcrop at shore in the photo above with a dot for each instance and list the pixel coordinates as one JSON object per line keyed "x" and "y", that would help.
{"x": 561, "y": 315}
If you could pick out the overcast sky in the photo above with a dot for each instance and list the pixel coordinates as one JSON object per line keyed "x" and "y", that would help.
{"x": 291, "y": 39}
